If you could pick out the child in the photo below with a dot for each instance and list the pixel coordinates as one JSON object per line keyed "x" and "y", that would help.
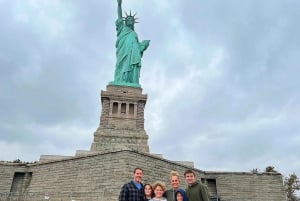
{"x": 159, "y": 189}
{"x": 148, "y": 191}
{"x": 180, "y": 195}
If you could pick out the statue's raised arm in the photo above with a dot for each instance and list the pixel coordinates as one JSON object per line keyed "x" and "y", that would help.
{"x": 119, "y": 9}
{"x": 129, "y": 51}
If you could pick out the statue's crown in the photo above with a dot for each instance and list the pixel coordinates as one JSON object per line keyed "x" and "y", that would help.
{"x": 130, "y": 16}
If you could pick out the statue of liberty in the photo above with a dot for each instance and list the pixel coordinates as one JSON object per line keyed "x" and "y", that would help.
{"x": 129, "y": 51}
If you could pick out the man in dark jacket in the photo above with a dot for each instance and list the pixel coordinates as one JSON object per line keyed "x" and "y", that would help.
{"x": 133, "y": 191}
{"x": 195, "y": 191}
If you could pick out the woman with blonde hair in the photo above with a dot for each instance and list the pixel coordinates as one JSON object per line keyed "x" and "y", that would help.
{"x": 175, "y": 184}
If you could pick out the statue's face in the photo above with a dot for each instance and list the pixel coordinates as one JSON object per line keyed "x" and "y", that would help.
{"x": 129, "y": 21}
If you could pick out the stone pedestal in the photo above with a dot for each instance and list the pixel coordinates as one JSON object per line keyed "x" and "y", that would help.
{"x": 122, "y": 120}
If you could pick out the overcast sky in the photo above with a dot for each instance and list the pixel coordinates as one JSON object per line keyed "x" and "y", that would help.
{"x": 222, "y": 79}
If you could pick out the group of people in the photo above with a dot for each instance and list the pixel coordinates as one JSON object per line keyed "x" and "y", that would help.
{"x": 136, "y": 191}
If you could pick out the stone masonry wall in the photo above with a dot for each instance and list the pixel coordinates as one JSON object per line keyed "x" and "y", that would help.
{"x": 104, "y": 113}
{"x": 94, "y": 176}
{"x": 98, "y": 176}
{"x": 121, "y": 129}
{"x": 101, "y": 176}
{"x": 7, "y": 172}
{"x": 6, "y": 175}
{"x": 244, "y": 186}
{"x": 140, "y": 115}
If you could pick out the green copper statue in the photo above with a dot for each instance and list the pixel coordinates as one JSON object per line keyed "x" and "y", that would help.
{"x": 129, "y": 51}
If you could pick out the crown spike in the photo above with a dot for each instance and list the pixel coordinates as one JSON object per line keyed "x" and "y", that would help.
{"x": 130, "y": 16}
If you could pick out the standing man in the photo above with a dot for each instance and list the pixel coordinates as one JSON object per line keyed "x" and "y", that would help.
{"x": 133, "y": 191}
{"x": 175, "y": 182}
{"x": 195, "y": 191}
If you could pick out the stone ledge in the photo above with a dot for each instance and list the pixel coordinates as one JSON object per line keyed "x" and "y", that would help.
{"x": 48, "y": 158}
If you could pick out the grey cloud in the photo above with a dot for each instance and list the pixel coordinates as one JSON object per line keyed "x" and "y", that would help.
{"x": 221, "y": 79}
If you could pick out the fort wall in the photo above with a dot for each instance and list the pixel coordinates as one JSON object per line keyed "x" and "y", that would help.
{"x": 101, "y": 176}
